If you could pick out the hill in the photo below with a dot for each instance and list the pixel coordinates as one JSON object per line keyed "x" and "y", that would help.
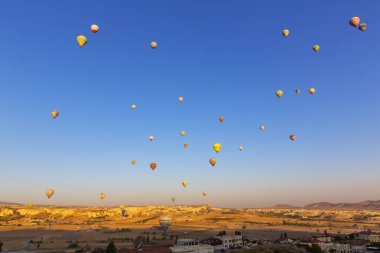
{"x": 365, "y": 205}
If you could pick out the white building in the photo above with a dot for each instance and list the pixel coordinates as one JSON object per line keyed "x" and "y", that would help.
{"x": 369, "y": 236}
{"x": 195, "y": 248}
{"x": 231, "y": 241}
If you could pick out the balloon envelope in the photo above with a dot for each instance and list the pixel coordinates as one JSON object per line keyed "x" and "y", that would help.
{"x": 241, "y": 148}
{"x": 133, "y": 106}
{"x": 82, "y": 40}
{"x": 316, "y": 48}
{"x": 102, "y": 195}
{"x": 262, "y": 127}
{"x": 54, "y": 114}
{"x": 133, "y": 162}
{"x": 94, "y": 28}
{"x": 49, "y": 193}
{"x": 153, "y": 44}
{"x": 354, "y": 21}
{"x": 151, "y": 138}
{"x": 153, "y": 166}
{"x": 363, "y": 27}
{"x": 217, "y": 147}
{"x": 298, "y": 91}
{"x": 221, "y": 119}
{"x": 212, "y": 161}
{"x": 165, "y": 222}
{"x": 279, "y": 93}
{"x": 292, "y": 137}
{"x": 285, "y": 33}
{"x": 185, "y": 145}
{"x": 184, "y": 183}
{"x": 180, "y": 99}
{"x": 312, "y": 91}
{"x": 183, "y": 133}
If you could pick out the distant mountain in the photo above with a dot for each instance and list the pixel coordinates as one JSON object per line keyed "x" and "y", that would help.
{"x": 285, "y": 206}
{"x": 2, "y": 203}
{"x": 365, "y": 205}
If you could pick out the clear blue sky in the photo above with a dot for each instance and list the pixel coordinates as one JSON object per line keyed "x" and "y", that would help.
{"x": 226, "y": 58}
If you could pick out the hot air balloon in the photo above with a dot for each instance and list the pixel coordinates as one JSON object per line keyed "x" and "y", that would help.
{"x": 151, "y": 138}
{"x": 184, "y": 184}
{"x": 217, "y": 147}
{"x": 262, "y": 127}
{"x": 153, "y": 166}
{"x": 212, "y": 161}
{"x": 292, "y": 137}
{"x": 363, "y": 27}
{"x": 298, "y": 91}
{"x": 153, "y": 44}
{"x": 204, "y": 194}
{"x": 183, "y": 133}
{"x": 54, "y": 114}
{"x": 279, "y": 93}
{"x": 285, "y": 33}
{"x": 180, "y": 99}
{"x": 49, "y": 193}
{"x": 94, "y": 28}
{"x": 354, "y": 21}
{"x": 221, "y": 119}
{"x": 102, "y": 195}
{"x": 241, "y": 148}
{"x": 133, "y": 106}
{"x": 185, "y": 145}
{"x": 82, "y": 40}
{"x": 173, "y": 199}
{"x": 316, "y": 48}
{"x": 133, "y": 162}
{"x": 165, "y": 222}
{"x": 311, "y": 91}
{"x": 122, "y": 206}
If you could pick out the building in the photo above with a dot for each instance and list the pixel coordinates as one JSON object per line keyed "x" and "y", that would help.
{"x": 231, "y": 241}
{"x": 194, "y": 248}
{"x": 369, "y": 236}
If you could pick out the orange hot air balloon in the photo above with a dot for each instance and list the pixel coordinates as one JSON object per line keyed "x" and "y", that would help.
{"x": 185, "y": 145}
{"x": 180, "y": 99}
{"x": 102, "y": 195}
{"x": 183, "y": 133}
{"x": 292, "y": 137}
{"x": 354, "y": 21}
{"x": 133, "y": 162}
{"x": 94, "y": 28}
{"x": 212, "y": 161}
{"x": 49, "y": 193}
{"x": 82, "y": 40}
{"x": 311, "y": 91}
{"x": 184, "y": 184}
{"x": 153, "y": 166}
{"x": 221, "y": 119}
{"x": 54, "y": 114}
{"x": 279, "y": 93}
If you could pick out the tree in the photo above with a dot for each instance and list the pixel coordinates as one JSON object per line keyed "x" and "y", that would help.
{"x": 314, "y": 249}
{"x": 147, "y": 239}
{"x": 111, "y": 248}
{"x": 1, "y": 245}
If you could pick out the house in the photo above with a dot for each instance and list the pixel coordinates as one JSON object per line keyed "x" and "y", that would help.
{"x": 231, "y": 241}
{"x": 369, "y": 236}
{"x": 195, "y": 248}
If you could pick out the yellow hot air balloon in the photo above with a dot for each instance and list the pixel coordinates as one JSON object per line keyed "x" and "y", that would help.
{"x": 212, "y": 161}
{"x": 153, "y": 44}
{"x": 292, "y": 137}
{"x": 311, "y": 91}
{"x": 363, "y": 27}
{"x": 354, "y": 21}
{"x": 94, "y": 28}
{"x": 133, "y": 162}
{"x": 204, "y": 194}
{"x": 316, "y": 48}
{"x": 217, "y": 147}
{"x": 221, "y": 119}
{"x": 49, "y": 193}
{"x": 183, "y": 133}
{"x": 180, "y": 99}
{"x": 262, "y": 127}
{"x": 184, "y": 184}
{"x": 54, "y": 114}
{"x": 241, "y": 148}
{"x": 185, "y": 145}
{"x": 82, "y": 40}
{"x": 133, "y": 106}
{"x": 298, "y": 91}
{"x": 153, "y": 166}
{"x": 151, "y": 138}
{"x": 102, "y": 195}
{"x": 285, "y": 33}
{"x": 279, "y": 93}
